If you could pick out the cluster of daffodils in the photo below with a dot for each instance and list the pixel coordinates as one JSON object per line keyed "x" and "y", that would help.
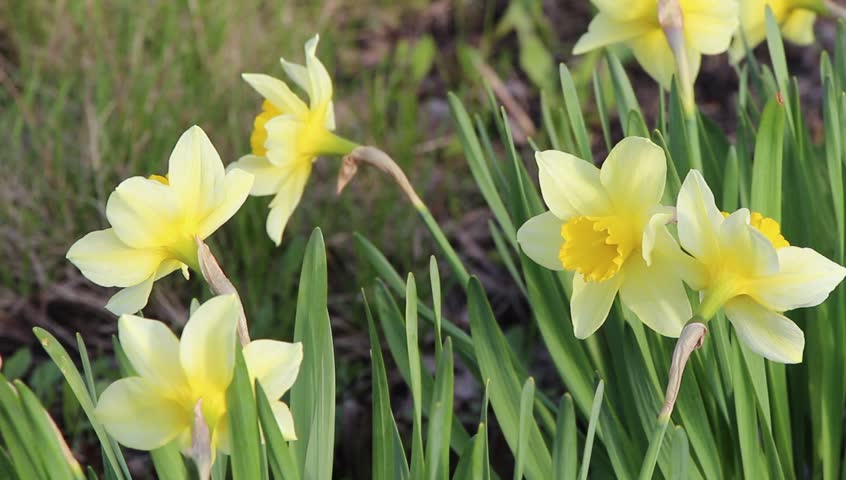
{"x": 669, "y": 37}
{"x": 607, "y": 227}
{"x": 157, "y": 224}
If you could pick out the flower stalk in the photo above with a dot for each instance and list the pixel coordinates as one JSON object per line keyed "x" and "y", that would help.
{"x": 220, "y": 284}
{"x": 690, "y": 340}
{"x": 377, "y": 158}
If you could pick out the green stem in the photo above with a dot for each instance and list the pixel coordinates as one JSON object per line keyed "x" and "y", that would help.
{"x": 648, "y": 467}
{"x": 440, "y": 238}
{"x": 693, "y": 138}
{"x": 337, "y": 145}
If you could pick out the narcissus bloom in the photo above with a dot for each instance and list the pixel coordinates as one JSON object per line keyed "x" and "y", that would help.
{"x": 155, "y": 407}
{"x": 155, "y": 221}
{"x": 288, "y": 136}
{"x": 708, "y": 29}
{"x": 746, "y": 267}
{"x": 607, "y": 226}
{"x": 795, "y": 19}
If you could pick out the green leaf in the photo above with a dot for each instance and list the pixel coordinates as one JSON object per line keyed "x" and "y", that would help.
{"x": 441, "y": 416}
{"x": 412, "y": 346}
{"x": 767, "y": 166}
{"x": 388, "y": 453}
{"x": 313, "y": 395}
{"x": 243, "y": 423}
{"x": 594, "y": 417}
{"x": 60, "y": 357}
{"x": 490, "y": 344}
{"x": 574, "y": 113}
{"x": 279, "y": 456}
{"x": 527, "y": 420}
{"x": 681, "y": 455}
{"x": 564, "y": 454}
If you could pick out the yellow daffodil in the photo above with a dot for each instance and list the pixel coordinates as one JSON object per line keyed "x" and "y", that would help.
{"x": 708, "y": 28}
{"x": 155, "y": 221}
{"x": 746, "y": 267}
{"x": 156, "y": 406}
{"x": 795, "y": 19}
{"x": 288, "y": 136}
{"x": 608, "y": 227}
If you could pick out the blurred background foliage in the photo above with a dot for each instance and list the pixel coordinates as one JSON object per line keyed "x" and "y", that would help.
{"x": 94, "y": 91}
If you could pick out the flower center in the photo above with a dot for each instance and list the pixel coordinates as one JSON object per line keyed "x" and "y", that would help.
{"x": 596, "y": 247}
{"x": 259, "y": 135}
{"x": 768, "y": 227}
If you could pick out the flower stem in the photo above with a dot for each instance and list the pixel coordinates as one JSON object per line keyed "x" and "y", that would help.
{"x": 690, "y": 339}
{"x": 381, "y": 160}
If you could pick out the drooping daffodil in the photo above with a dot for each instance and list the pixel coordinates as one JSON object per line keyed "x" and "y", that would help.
{"x": 708, "y": 28}
{"x": 793, "y": 16}
{"x": 155, "y": 221}
{"x": 289, "y": 134}
{"x": 607, "y": 226}
{"x": 156, "y": 405}
{"x": 745, "y": 266}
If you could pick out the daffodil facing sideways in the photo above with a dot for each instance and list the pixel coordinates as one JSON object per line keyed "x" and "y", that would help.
{"x": 289, "y": 134}
{"x": 607, "y": 226}
{"x": 795, "y": 17}
{"x": 155, "y": 222}
{"x": 742, "y": 264}
{"x": 172, "y": 376}
{"x": 706, "y": 28}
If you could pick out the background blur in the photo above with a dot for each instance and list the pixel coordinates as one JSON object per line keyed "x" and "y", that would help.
{"x": 92, "y": 92}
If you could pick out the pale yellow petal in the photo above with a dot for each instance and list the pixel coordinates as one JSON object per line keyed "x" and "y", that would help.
{"x": 196, "y": 173}
{"x": 591, "y": 302}
{"x": 709, "y": 25}
{"x": 659, "y": 243}
{"x": 745, "y": 249}
{"x": 765, "y": 332}
{"x": 571, "y": 186}
{"x": 236, "y": 187}
{"x": 540, "y": 239}
{"x": 222, "y": 436}
{"x": 267, "y": 175}
{"x": 275, "y": 364}
{"x": 153, "y": 351}
{"x": 131, "y": 299}
{"x": 144, "y": 213}
{"x": 656, "y": 295}
{"x": 799, "y": 27}
{"x": 207, "y": 348}
{"x": 805, "y": 279}
{"x": 134, "y": 412}
{"x": 634, "y": 175}
{"x": 320, "y": 84}
{"x": 653, "y": 54}
{"x": 276, "y": 92}
{"x": 699, "y": 220}
{"x": 286, "y": 201}
{"x": 135, "y": 297}
{"x": 107, "y": 261}
{"x": 298, "y": 74}
{"x": 284, "y": 420}
{"x": 606, "y": 30}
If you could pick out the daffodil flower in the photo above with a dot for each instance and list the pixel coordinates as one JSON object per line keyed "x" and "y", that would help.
{"x": 288, "y": 136}
{"x": 746, "y": 267}
{"x": 155, "y": 222}
{"x": 155, "y": 407}
{"x": 608, "y": 227}
{"x": 708, "y": 28}
{"x": 794, "y": 17}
